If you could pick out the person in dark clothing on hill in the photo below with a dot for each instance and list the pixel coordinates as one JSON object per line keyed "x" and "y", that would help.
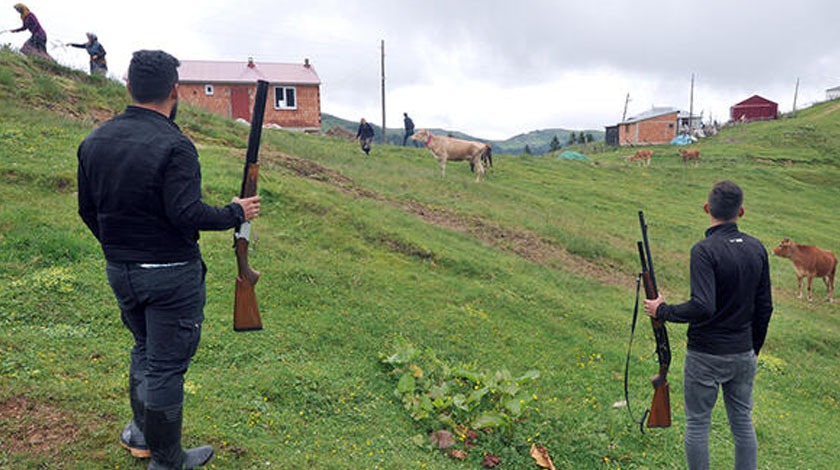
{"x": 37, "y": 43}
{"x": 365, "y": 135}
{"x": 139, "y": 193}
{"x": 728, "y": 315}
{"x": 98, "y": 65}
{"x": 409, "y": 129}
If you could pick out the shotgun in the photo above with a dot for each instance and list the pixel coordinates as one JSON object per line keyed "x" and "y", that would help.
{"x": 659, "y": 415}
{"x": 246, "y": 312}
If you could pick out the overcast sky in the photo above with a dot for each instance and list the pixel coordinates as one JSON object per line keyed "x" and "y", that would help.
{"x": 489, "y": 68}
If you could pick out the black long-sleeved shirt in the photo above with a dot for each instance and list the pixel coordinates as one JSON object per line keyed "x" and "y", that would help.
{"x": 731, "y": 303}
{"x": 140, "y": 190}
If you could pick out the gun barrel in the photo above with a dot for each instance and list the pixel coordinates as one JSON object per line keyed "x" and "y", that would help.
{"x": 648, "y": 257}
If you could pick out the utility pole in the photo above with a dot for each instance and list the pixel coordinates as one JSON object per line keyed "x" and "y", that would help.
{"x": 691, "y": 107}
{"x": 795, "y": 94}
{"x": 383, "y": 90}
{"x": 626, "y": 101}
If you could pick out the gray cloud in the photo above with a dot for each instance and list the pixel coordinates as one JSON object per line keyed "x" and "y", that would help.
{"x": 499, "y": 68}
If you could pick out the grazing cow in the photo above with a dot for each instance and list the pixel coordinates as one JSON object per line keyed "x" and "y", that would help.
{"x": 693, "y": 154}
{"x": 642, "y": 156}
{"x": 810, "y": 261}
{"x": 449, "y": 148}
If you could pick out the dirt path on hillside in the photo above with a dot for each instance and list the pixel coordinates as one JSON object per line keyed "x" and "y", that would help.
{"x": 523, "y": 243}
{"x": 31, "y": 427}
{"x": 829, "y": 110}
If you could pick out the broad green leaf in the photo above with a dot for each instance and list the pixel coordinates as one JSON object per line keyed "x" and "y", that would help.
{"x": 490, "y": 419}
{"x": 406, "y": 383}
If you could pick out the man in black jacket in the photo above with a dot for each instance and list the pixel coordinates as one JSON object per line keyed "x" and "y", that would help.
{"x": 365, "y": 135}
{"x": 409, "y": 129}
{"x": 140, "y": 194}
{"x": 727, "y": 315}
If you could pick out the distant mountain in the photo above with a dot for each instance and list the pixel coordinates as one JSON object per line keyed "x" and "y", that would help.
{"x": 538, "y": 142}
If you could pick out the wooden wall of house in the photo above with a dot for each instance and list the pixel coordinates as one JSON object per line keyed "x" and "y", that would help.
{"x": 306, "y": 116}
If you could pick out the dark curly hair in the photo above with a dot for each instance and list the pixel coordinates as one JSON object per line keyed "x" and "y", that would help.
{"x": 151, "y": 75}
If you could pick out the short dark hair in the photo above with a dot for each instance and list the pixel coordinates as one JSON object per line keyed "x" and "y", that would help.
{"x": 725, "y": 200}
{"x": 151, "y": 76}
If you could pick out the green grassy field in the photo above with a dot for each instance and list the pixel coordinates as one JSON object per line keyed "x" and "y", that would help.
{"x": 532, "y": 269}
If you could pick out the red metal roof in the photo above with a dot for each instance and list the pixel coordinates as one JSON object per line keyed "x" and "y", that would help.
{"x": 755, "y": 100}
{"x": 206, "y": 71}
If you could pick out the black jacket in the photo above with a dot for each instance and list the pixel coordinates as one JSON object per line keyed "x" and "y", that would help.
{"x": 365, "y": 131}
{"x": 140, "y": 190}
{"x": 731, "y": 302}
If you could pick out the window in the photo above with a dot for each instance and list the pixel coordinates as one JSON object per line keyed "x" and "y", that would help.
{"x": 285, "y": 97}
{"x": 209, "y": 90}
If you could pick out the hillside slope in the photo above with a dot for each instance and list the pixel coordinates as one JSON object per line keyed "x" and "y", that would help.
{"x": 532, "y": 269}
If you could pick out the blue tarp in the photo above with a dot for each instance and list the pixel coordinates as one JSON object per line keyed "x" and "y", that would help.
{"x": 569, "y": 155}
{"x": 681, "y": 140}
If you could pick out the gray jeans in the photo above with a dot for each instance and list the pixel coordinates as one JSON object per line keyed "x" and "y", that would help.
{"x": 163, "y": 307}
{"x": 703, "y": 375}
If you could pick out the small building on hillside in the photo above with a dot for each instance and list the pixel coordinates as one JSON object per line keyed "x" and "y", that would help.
{"x": 611, "y": 135}
{"x": 227, "y": 88}
{"x": 655, "y": 126}
{"x": 832, "y": 93}
{"x": 754, "y": 108}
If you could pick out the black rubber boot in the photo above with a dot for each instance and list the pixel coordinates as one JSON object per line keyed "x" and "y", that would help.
{"x": 163, "y": 434}
{"x": 132, "y": 437}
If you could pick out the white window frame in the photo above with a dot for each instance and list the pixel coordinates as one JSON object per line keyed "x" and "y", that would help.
{"x": 209, "y": 89}
{"x": 281, "y": 94}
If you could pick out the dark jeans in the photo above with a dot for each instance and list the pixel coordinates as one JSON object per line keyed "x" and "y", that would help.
{"x": 408, "y": 133}
{"x": 163, "y": 307}
{"x": 703, "y": 375}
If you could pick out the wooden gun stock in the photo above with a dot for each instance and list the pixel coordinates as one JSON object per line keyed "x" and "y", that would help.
{"x": 660, "y": 407}
{"x": 246, "y": 312}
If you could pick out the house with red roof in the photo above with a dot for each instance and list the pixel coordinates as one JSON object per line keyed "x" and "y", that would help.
{"x": 227, "y": 88}
{"x": 754, "y": 108}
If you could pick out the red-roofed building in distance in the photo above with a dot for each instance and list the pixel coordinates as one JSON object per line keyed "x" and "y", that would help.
{"x": 754, "y": 108}
{"x": 227, "y": 88}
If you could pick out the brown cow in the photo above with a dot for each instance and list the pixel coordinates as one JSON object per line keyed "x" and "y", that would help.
{"x": 810, "y": 261}
{"x": 693, "y": 154}
{"x": 450, "y": 148}
{"x": 642, "y": 156}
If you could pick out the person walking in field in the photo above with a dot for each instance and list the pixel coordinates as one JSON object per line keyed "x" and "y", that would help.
{"x": 728, "y": 315}
{"x": 98, "y": 65}
{"x": 139, "y": 193}
{"x": 365, "y": 135}
{"x": 37, "y": 43}
{"x": 409, "y": 129}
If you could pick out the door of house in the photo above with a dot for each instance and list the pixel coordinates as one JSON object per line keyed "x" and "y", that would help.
{"x": 240, "y": 103}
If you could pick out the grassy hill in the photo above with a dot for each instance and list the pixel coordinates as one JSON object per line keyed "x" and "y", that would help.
{"x": 531, "y": 270}
{"x": 538, "y": 142}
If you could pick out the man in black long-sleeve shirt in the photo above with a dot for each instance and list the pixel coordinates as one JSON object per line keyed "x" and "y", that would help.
{"x": 140, "y": 195}
{"x": 727, "y": 315}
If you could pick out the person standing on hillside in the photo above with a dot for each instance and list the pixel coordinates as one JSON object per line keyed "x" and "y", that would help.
{"x": 37, "y": 43}
{"x": 139, "y": 193}
{"x": 409, "y": 129}
{"x": 98, "y": 65}
{"x": 365, "y": 135}
{"x": 728, "y": 315}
